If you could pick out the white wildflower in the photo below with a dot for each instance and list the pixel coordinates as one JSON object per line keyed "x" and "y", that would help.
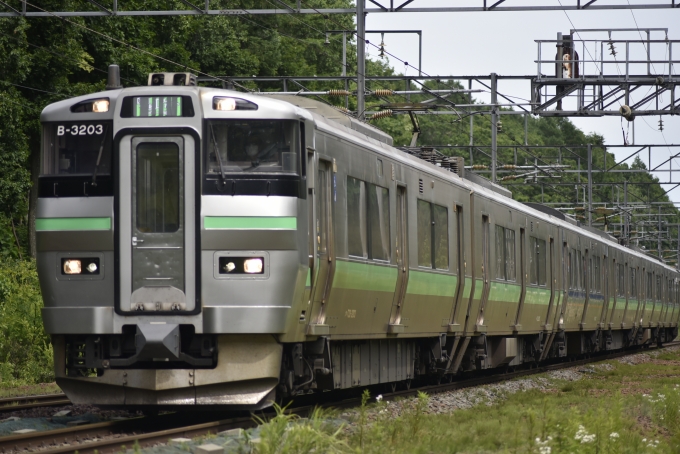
{"x": 614, "y": 435}
{"x": 644, "y": 440}
{"x": 584, "y": 436}
{"x": 544, "y": 450}
{"x": 378, "y": 398}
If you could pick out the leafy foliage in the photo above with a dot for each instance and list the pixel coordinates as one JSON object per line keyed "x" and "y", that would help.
{"x": 25, "y": 349}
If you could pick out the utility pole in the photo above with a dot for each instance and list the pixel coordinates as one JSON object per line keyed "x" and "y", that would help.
{"x": 361, "y": 59}
{"x": 590, "y": 185}
{"x": 658, "y": 240}
{"x": 494, "y": 125}
{"x": 626, "y": 217}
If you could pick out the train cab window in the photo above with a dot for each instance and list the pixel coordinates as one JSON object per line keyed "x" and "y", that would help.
{"x": 252, "y": 146}
{"x": 77, "y": 148}
{"x": 537, "y": 261}
{"x": 368, "y": 220}
{"x": 433, "y": 235}
{"x": 505, "y": 254}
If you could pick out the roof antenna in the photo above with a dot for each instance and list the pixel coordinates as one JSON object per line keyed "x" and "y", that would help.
{"x": 113, "y": 81}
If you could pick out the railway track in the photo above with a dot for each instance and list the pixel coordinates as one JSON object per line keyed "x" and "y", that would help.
{"x": 22, "y": 403}
{"x": 111, "y": 437}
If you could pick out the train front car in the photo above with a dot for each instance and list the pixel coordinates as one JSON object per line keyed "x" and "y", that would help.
{"x": 171, "y": 231}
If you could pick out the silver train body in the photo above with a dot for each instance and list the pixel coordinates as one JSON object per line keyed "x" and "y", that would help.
{"x": 200, "y": 247}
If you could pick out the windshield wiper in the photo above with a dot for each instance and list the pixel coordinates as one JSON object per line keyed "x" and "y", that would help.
{"x": 99, "y": 157}
{"x": 217, "y": 153}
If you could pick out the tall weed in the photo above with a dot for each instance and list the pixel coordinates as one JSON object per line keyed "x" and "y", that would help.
{"x": 25, "y": 349}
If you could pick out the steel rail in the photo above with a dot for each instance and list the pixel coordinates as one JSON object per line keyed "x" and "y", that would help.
{"x": 25, "y": 402}
{"x": 113, "y": 445}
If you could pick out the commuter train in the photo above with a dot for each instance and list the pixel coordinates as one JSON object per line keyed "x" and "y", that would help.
{"x": 207, "y": 248}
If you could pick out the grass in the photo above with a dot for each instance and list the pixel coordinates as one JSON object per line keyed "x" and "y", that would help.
{"x": 12, "y": 390}
{"x": 620, "y": 408}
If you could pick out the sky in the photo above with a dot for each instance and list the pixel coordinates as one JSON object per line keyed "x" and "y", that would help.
{"x": 479, "y": 43}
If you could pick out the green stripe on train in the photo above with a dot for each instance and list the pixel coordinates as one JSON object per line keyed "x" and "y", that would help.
{"x": 71, "y": 224}
{"x": 431, "y": 284}
{"x": 249, "y": 222}
{"x": 364, "y": 276}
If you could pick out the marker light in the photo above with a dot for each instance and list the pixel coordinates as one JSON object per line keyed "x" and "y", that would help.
{"x": 92, "y": 105}
{"x": 92, "y": 267}
{"x": 226, "y": 104}
{"x": 230, "y": 267}
{"x": 252, "y": 266}
{"x": 100, "y": 105}
{"x": 72, "y": 267}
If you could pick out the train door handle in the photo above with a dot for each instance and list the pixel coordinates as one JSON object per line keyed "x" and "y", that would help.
{"x": 135, "y": 240}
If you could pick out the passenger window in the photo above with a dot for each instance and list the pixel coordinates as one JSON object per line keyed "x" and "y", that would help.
{"x": 658, "y": 287}
{"x": 620, "y": 287}
{"x": 537, "y": 261}
{"x": 368, "y": 220}
{"x": 505, "y": 254}
{"x": 441, "y": 237}
{"x": 424, "y": 234}
{"x": 649, "y": 286}
{"x": 379, "y": 222}
{"x": 633, "y": 283}
{"x": 356, "y": 217}
{"x": 433, "y": 236}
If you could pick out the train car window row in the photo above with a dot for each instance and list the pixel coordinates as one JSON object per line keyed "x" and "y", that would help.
{"x": 505, "y": 254}
{"x": 433, "y": 235}
{"x": 537, "y": 261}
{"x": 368, "y": 220}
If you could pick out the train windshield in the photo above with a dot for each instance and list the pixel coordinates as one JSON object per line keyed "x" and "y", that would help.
{"x": 251, "y": 146}
{"x": 77, "y": 148}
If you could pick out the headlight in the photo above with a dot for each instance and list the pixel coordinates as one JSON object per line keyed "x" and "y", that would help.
{"x": 252, "y": 266}
{"x": 241, "y": 265}
{"x": 80, "y": 266}
{"x": 72, "y": 267}
{"x": 224, "y": 103}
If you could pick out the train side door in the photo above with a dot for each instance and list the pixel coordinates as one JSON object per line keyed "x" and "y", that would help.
{"x": 156, "y": 232}
{"x": 324, "y": 253}
{"x": 402, "y": 257}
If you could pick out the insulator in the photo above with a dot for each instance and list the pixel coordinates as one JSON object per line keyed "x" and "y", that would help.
{"x": 343, "y": 110}
{"x": 335, "y": 92}
{"x": 383, "y": 92}
{"x": 612, "y": 50}
{"x": 499, "y": 126}
{"x": 479, "y": 167}
{"x": 508, "y": 167}
{"x": 626, "y": 112}
{"x": 381, "y": 114}
{"x": 509, "y": 177}
{"x": 660, "y": 124}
